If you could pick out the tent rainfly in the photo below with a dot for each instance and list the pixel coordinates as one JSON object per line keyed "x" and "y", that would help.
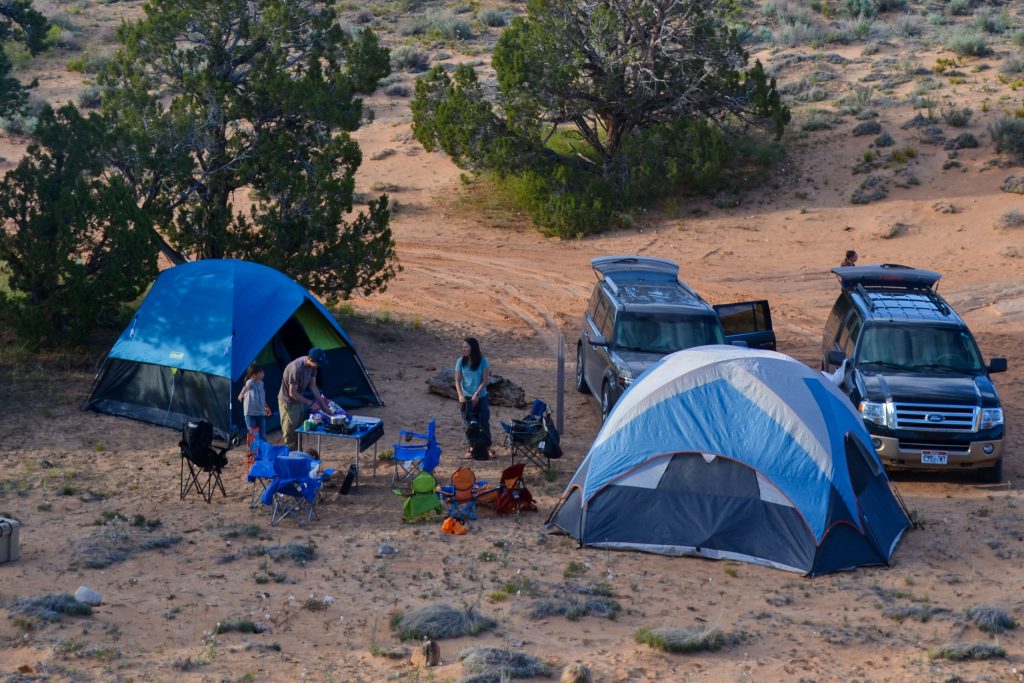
{"x": 731, "y": 453}
{"x": 185, "y": 353}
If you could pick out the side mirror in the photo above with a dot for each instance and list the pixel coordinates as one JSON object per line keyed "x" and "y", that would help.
{"x": 598, "y": 340}
{"x": 997, "y": 365}
{"x": 835, "y": 357}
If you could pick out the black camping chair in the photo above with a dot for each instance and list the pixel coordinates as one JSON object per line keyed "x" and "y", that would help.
{"x": 534, "y": 438}
{"x": 201, "y": 463}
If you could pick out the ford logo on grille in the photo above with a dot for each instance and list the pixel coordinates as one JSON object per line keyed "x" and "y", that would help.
{"x": 935, "y": 417}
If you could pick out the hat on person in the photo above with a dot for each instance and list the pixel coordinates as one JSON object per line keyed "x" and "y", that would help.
{"x": 318, "y": 356}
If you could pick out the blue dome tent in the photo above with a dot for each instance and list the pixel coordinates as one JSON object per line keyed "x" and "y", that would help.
{"x": 185, "y": 352}
{"x": 731, "y": 453}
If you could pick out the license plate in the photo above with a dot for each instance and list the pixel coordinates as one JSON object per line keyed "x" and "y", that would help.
{"x": 934, "y": 457}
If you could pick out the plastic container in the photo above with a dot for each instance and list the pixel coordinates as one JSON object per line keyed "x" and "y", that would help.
{"x": 9, "y": 547}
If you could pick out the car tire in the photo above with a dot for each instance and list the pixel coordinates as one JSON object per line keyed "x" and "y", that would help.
{"x": 606, "y": 401}
{"x": 992, "y": 475}
{"x": 581, "y": 378}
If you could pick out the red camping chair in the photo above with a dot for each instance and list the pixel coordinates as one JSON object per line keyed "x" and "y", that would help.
{"x": 511, "y": 495}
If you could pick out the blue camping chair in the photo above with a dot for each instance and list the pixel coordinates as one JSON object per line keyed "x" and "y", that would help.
{"x": 261, "y": 472}
{"x": 294, "y": 489}
{"x": 412, "y": 457}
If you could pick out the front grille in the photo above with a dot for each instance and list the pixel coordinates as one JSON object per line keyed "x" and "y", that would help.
{"x": 936, "y": 418}
{"x": 953, "y": 448}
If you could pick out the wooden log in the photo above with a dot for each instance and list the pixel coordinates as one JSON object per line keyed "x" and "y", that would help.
{"x": 500, "y": 391}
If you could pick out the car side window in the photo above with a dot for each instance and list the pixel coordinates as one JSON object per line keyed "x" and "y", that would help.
{"x": 600, "y": 310}
{"x": 851, "y": 335}
{"x": 608, "y": 324}
{"x": 835, "y": 318}
{"x": 595, "y": 299}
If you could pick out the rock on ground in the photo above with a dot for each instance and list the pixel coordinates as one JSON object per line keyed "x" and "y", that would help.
{"x": 88, "y": 596}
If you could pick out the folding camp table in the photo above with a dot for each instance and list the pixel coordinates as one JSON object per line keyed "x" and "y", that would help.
{"x": 363, "y": 431}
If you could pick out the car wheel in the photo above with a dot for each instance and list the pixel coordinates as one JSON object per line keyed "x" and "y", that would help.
{"x": 606, "y": 401}
{"x": 581, "y": 379}
{"x": 992, "y": 475}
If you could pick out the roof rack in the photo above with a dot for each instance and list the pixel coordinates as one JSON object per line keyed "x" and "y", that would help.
{"x": 859, "y": 288}
{"x": 887, "y": 300}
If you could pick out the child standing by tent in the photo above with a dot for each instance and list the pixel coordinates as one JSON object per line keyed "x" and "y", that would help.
{"x": 254, "y": 400}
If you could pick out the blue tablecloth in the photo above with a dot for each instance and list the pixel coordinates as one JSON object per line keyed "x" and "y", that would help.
{"x": 365, "y": 430}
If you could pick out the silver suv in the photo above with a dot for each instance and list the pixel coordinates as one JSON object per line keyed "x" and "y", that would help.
{"x": 640, "y": 312}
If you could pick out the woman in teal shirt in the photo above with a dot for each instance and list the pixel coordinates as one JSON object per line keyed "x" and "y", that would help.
{"x": 471, "y": 374}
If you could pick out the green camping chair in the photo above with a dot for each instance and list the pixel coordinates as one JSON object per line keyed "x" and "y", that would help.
{"x": 423, "y": 500}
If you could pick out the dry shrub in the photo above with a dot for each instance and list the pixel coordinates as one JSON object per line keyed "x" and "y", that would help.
{"x": 991, "y": 619}
{"x": 440, "y": 621}
{"x": 487, "y": 663}
{"x": 685, "y": 640}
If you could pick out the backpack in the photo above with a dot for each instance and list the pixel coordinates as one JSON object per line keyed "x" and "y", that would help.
{"x": 551, "y": 446}
{"x": 513, "y": 500}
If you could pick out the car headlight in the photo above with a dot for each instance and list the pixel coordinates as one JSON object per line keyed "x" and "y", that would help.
{"x": 991, "y": 417}
{"x": 879, "y": 413}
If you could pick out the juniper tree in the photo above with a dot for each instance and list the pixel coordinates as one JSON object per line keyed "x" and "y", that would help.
{"x": 602, "y": 103}
{"x": 72, "y": 238}
{"x": 234, "y": 120}
{"x": 18, "y": 21}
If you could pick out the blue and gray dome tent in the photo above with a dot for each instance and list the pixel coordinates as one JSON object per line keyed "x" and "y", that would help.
{"x": 731, "y": 453}
{"x": 184, "y": 354}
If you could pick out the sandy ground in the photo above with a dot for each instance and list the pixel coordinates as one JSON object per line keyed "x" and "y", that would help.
{"x": 471, "y": 270}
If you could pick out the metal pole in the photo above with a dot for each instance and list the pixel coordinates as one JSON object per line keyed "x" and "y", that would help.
{"x": 560, "y": 396}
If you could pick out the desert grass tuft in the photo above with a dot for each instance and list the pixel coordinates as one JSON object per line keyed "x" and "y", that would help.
{"x": 50, "y": 607}
{"x": 958, "y": 652}
{"x": 1008, "y": 136}
{"x": 1014, "y": 218}
{"x": 502, "y": 664}
{"x": 991, "y": 619}
{"x": 685, "y": 640}
{"x": 439, "y": 621}
{"x": 921, "y": 613}
{"x": 238, "y": 626}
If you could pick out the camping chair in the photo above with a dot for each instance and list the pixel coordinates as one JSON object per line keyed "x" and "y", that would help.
{"x": 533, "y": 438}
{"x": 201, "y": 463}
{"x": 294, "y": 489}
{"x": 261, "y": 471}
{"x": 511, "y": 495}
{"x": 423, "y": 500}
{"x": 412, "y": 458}
{"x": 461, "y": 494}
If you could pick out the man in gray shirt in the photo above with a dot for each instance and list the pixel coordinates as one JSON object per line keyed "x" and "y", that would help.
{"x": 300, "y": 377}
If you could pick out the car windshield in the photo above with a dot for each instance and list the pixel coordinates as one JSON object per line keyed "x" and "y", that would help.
{"x": 659, "y": 334}
{"x": 918, "y": 349}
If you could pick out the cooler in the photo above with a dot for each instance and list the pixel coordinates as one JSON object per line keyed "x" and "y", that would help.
{"x": 9, "y": 539}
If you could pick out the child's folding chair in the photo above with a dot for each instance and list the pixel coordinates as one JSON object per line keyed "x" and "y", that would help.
{"x": 461, "y": 494}
{"x": 261, "y": 471}
{"x": 423, "y": 500}
{"x": 294, "y": 489}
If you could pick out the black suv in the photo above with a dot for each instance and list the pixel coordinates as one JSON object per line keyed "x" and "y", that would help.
{"x": 910, "y": 365}
{"x": 640, "y": 312}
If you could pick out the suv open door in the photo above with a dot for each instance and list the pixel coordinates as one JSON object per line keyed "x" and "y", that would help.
{"x": 749, "y": 322}
{"x": 635, "y": 268}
